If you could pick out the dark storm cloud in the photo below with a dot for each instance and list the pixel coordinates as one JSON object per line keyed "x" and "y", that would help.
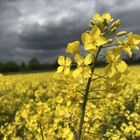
{"x": 42, "y": 28}
{"x": 127, "y": 11}
{"x": 55, "y": 37}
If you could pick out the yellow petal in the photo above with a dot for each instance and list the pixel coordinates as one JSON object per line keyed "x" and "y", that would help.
{"x": 89, "y": 46}
{"x": 109, "y": 56}
{"x": 77, "y": 72}
{"x": 113, "y": 55}
{"x": 68, "y": 61}
{"x": 61, "y": 60}
{"x": 110, "y": 69}
{"x": 97, "y": 17}
{"x": 88, "y": 59}
{"x": 87, "y": 72}
{"x": 60, "y": 69}
{"x": 86, "y": 38}
{"x": 79, "y": 59}
{"x": 95, "y": 33}
{"x": 136, "y": 39}
{"x": 73, "y": 47}
{"x": 107, "y": 16}
{"x": 59, "y": 99}
{"x": 67, "y": 70}
{"x": 136, "y": 47}
{"x": 128, "y": 51}
{"x": 101, "y": 41}
{"x": 121, "y": 66}
{"x": 118, "y": 41}
{"x": 129, "y": 35}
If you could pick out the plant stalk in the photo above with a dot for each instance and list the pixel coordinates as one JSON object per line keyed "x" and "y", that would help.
{"x": 85, "y": 98}
{"x": 41, "y": 130}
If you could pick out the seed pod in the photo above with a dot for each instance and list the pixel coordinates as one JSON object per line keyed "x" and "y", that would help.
{"x": 121, "y": 33}
{"x": 118, "y": 22}
{"x": 109, "y": 41}
{"x": 113, "y": 30}
{"x": 115, "y": 24}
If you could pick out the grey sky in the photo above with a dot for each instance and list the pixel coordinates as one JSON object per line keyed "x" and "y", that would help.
{"x": 42, "y": 28}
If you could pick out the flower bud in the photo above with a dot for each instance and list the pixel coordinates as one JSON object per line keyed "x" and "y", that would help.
{"x": 113, "y": 30}
{"x": 121, "y": 33}
{"x": 118, "y": 22}
{"x": 109, "y": 41}
{"x": 115, "y": 24}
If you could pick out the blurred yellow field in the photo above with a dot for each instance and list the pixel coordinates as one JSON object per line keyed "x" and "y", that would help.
{"x": 39, "y": 106}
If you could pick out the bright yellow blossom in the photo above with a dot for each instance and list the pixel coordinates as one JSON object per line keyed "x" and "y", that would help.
{"x": 93, "y": 39}
{"x": 113, "y": 55}
{"x": 64, "y": 65}
{"x": 83, "y": 65}
{"x": 73, "y": 47}
{"x": 131, "y": 42}
{"x": 101, "y": 19}
{"x": 114, "y": 63}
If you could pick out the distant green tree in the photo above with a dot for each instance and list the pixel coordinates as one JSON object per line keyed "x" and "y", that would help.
{"x": 10, "y": 66}
{"x": 34, "y": 64}
{"x": 23, "y": 66}
{"x": 1, "y": 67}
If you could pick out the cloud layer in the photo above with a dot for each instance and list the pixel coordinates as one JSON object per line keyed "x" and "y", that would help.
{"x": 42, "y": 28}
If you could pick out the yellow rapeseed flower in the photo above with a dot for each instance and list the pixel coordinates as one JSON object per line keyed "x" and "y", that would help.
{"x": 73, "y": 47}
{"x": 64, "y": 64}
{"x": 83, "y": 65}
{"x": 101, "y": 19}
{"x": 114, "y": 63}
{"x": 131, "y": 42}
{"x": 93, "y": 39}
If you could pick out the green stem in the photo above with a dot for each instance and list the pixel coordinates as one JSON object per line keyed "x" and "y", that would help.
{"x": 111, "y": 45}
{"x": 85, "y": 98}
{"x": 41, "y": 130}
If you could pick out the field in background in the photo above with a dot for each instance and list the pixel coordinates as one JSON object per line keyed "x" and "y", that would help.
{"x": 35, "y": 106}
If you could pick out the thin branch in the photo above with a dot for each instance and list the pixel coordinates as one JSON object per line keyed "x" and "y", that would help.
{"x": 80, "y": 92}
{"x": 98, "y": 78}
{"x": 40, "y": 126}
{"x": 111, "y": 45}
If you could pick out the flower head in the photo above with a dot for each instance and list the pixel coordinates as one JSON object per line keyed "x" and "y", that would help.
{"x": 83, "y": 65}
{"x": 64, "y": 65}
{"x": 105, "y": 17}
{"x": 131, "y": 42}
{"x": 73, "y": 47}
{"x": 93, "y": 39}
{"x": 115, "y": 65}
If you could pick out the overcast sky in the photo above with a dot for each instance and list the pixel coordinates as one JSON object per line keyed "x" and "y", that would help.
{"x": 42, "y": 28}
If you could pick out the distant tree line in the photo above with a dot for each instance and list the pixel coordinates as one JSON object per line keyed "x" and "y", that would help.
{"x": 35, "y": 65}
{"x": 32, "y": 65}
